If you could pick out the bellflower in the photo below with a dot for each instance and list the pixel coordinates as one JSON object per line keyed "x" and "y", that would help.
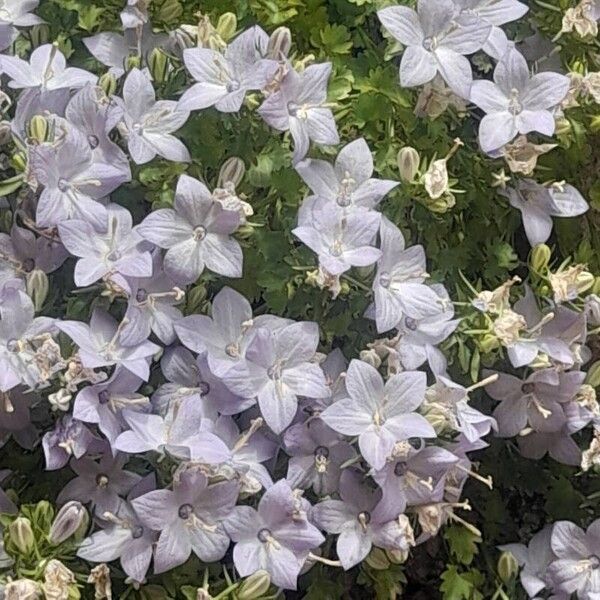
{"x": 536, "y": 401}
{"x": 224, "y": 78}
{"x": 150, "y": 306}
{"x": 124, "y": 537}
{"x": 349, "y": 182}
{"x": 418, "y": 338}
{"x": 436, "y": 40}
{"x": 357, "y": 520}
{"x": 189, "y": 518}
{"x": 16, "y": 13}
{"x": 196, "y": 234}
{"x": 398, "y": 287}
{"x": 101, "y": 483}
{"x": 277, "y": 370}
{"x": 539, "y": 203}
{"x": 334, "y": 367}
{"x": 192, "y": 378}
{"x": 341, "y": 240}
{"x": 69, "y": 437}
{"x": 103, "y": 402}
{"x": 115, "y": 249}
{"x": 15, "y": 418}
{"x": 46, "y": 69}
{"x": 317, "y": 453}
{"x": 379, "y": 414}
{"x": 516, "y": 102}
{"x": 73, "y": 180}
{"x": 100, "y": 344}
{"x": 277, "y": 537}
{"x": 224, "y": 335}
{"x": 182, "y": 432}
{"x": 149, "y": 123}
{"x": 577, "y": 558}
{"x": 300, "y": 107}
{"x": 558, "y": 445}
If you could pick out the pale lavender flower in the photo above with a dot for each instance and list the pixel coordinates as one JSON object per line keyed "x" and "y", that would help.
{"x": 125, "y": 537}
{"x": 539, "y": 203}
{"x": 300, "y": 106}
{"x": 224, "y": 78}
{"x": 135, "y": 14}
{"x": 197, "y": 234}
{"x": 534, "y": 559}
{"x": 20, "y": 335}
{"x": 535, "y": 402}
{"x": 418, "y": 338}
{"x": 192, "y": 378}
{"x": 398, "y": 287}
{"x": 150, "y": 123}
{"x": 46, "y": 69}
{"x": 103, "y": 402}
{"x": 96, "y": 116}
{"x": 151, "y": 306}
{"x": 15, "y": 418}
{"x": 496, "y": 13}
{"x": 113, "y": 49}
{"x": 341, "y": 240}
{"x": 559, "y": 445}
{"x": 69, "y": 437}
{"x": 183, "y": 432}
{"x": 358, "y": 521}
{"x": 16, "y": 13}
{"x": 516, "y": 102}
{"x": 349, "y": 182}
{"x": 100, "y": 345}
{"x": 100, "y": 483}
{"x": 278, "y": 369}
{"x": 436, "y": 40}
{"x": 189, "y": 518}
{"x": 577, "y": 559}
{"x": 413, "y": 477}
{"x": 21, "y": 253}
{"x": 317, "y": 453}
{"x": 73, "y": 180}
{"x": 224, "y": 335}
{"x": 117, "y": 249}
{"x": 334, "y": 367}
{"x": 381, "y": 415}
{"x": 37, "y": 101}
{"x": 276, "y": 538}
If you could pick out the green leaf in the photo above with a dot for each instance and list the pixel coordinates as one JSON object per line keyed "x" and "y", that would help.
{"x": 460, "y": 586}
{"x": 462, "y": 542}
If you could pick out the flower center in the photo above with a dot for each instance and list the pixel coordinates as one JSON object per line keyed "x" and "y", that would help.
{"x": 322, "y": 452}
{"x": 93, "y": 141}
{"x": 185, "y": 511}
{"x": 204, "y": 388}
{"x": 232, "y": 350}
{"x": 101, "y": 480}
{"x": 400, "y": 469}
{"x": 264, "y": 535}
{"x": 103, "y": 397}
{"x": 233, "y": 86}
{"x": 385, "y": 280}
{"x": 514, "y": 105}
{"x": 411, "y": 323}
{"x": 199, "y": 233}
{"x": 430, "y": 44}
{"x": 137, "y": 532}
{"x": 12, "y": 345}
{"x": 63, "y": 185}
{"x": 141, "y": 295}
{"x": 528, "y": 388}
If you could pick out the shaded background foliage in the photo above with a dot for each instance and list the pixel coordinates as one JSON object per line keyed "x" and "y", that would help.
{"x": 480, "y": 239}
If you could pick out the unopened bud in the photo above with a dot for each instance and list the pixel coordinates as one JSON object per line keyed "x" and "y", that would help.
{"x": 398, "y": 557}
{"x": 72, "y": 520}
{"x": 108, "y": 83}
{"x": 593, "y": 375}
{"x": 408, "y": 163}
{"x": 254, "y": 586}
{"x": 508, "y": 567}
{"x": 39, "y": 35}
{"x": 21, "y": 535}
{"x": 158, "y": 64}
{"x": 280, "y": 43}
{"x": 37, "y": 288}
{"x": 227, "y": 26}
{"x": 488, "y": 343}
{"x": 232, "y": 171}
{"x": 38, "y": 129}
{"x": 378, "y": 560}
{"x": 133, "y": 62}
{"x": 170, "y": 11}
{"x": 371, "y": 357}
{"x": 539, "y": 259}
{"x": 19, "y": 161}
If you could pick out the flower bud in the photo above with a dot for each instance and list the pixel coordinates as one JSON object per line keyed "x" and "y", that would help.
{"x": 408, "y": 163}
{"x": 158, "y": 64}
{"x": 377, "y": 559}
{"x": 19, "y": 161}
{"x": 442, "y": 204}
{"x": 21, "y": 534}
{"x": 593, "y": 375}
{"x": 22, "y": 589}
{"x": 170, "y": 11}
{"x": 37, "y": 288}
{"x": 37, "y": 129}
{"x": 371, "y": 357}
{"x": 539, "y": 259}
{"x": 108, "y": 83}
{"x": 39, "y": 35}
{"x": 280, "y": 43}
{"x": 488, "y": 343}
{"x": 227, "y": 26}
{"x": 133, "y": 62}
{"x": 508, "y": 567}
{"x": 254, "y": 586}
{"x": 232, "y": 171}
{"x": 398, "y": 557}
{"x": 72, "y": 520}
